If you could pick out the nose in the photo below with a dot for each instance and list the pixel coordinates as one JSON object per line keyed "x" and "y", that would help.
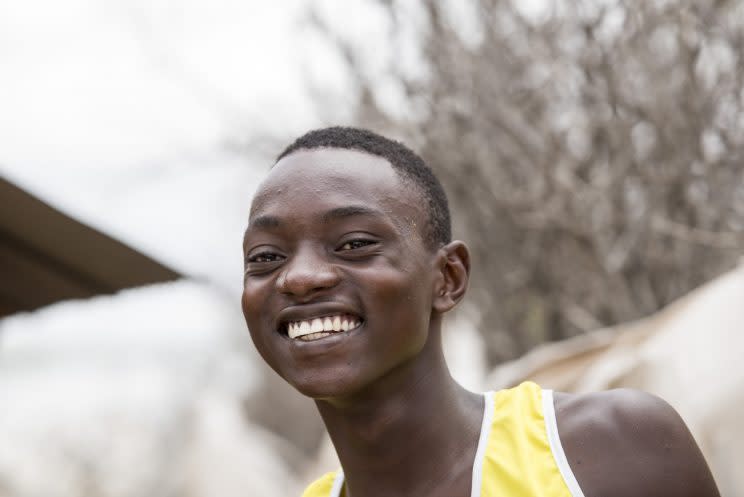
{"x": 306, "y": 273}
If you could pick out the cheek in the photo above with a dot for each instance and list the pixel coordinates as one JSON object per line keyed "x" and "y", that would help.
{"x": 254, "y": 307}
{"x": 248, "y": 302}
{"x": 403, "y": 298}
{"x": 252, "y": 312}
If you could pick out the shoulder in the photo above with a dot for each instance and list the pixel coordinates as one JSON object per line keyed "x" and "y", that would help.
{"x": 627, "y": 442}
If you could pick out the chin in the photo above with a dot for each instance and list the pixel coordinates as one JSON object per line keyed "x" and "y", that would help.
{"x": 326, "y": 387}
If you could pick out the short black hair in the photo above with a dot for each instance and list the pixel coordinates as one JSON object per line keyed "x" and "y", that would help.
{"x": 406, "y": 163}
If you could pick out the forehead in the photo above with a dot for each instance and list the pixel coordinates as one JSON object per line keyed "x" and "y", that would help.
{"x": 313, "y": 180}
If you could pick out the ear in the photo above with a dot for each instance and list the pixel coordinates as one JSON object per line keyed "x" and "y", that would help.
{"x": 453, "y": 264}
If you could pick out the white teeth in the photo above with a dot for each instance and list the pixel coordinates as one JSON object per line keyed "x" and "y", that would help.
{"x": 313, "y": 329}
{"x": 296, "y": 329}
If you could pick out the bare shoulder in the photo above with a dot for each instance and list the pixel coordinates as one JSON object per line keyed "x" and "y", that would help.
{"x": 626, "y": 442}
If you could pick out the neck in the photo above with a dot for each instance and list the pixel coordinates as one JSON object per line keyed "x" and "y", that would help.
{"x": 414, "y": 432}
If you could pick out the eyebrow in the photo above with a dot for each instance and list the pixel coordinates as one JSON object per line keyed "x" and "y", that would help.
{"x": 350, "y": 211}
{"x": 264, "y": 222}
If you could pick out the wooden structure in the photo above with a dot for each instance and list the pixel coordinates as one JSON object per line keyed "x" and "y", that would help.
{"x": 46, "y": 256}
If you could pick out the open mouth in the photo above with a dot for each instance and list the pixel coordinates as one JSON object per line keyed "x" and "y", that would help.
{"x": 321, "y": 327}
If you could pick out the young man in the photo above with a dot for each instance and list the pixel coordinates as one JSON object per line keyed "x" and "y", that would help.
{"x": 349, "y": 269}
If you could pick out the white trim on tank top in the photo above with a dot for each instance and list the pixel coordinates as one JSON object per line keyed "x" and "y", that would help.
{"x": 480, "y": 453}
{"x": 551, "y": 426}
{"x": 338, "y": 484}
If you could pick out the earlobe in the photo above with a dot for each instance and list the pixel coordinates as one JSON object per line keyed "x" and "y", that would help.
{"x": 452, "y": 282}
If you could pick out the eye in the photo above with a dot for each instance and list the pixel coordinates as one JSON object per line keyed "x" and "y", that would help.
{"x": 265, "y": 257}
{"x": 356, "y": 244}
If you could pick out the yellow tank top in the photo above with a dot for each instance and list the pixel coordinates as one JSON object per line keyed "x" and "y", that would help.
{"x": 519, "y": 452}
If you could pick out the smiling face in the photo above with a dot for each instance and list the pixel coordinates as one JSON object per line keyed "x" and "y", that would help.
{"x": 339, "y": 282}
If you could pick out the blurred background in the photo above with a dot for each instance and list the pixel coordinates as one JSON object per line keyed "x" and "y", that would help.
{"x": 591, "y": 150}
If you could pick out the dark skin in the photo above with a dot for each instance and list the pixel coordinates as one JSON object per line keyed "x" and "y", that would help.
{"x": 625, "y": 442}
{"x": 335, "y": 231}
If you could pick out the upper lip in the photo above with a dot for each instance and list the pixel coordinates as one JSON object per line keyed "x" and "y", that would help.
{"x": 310, "y": 311}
